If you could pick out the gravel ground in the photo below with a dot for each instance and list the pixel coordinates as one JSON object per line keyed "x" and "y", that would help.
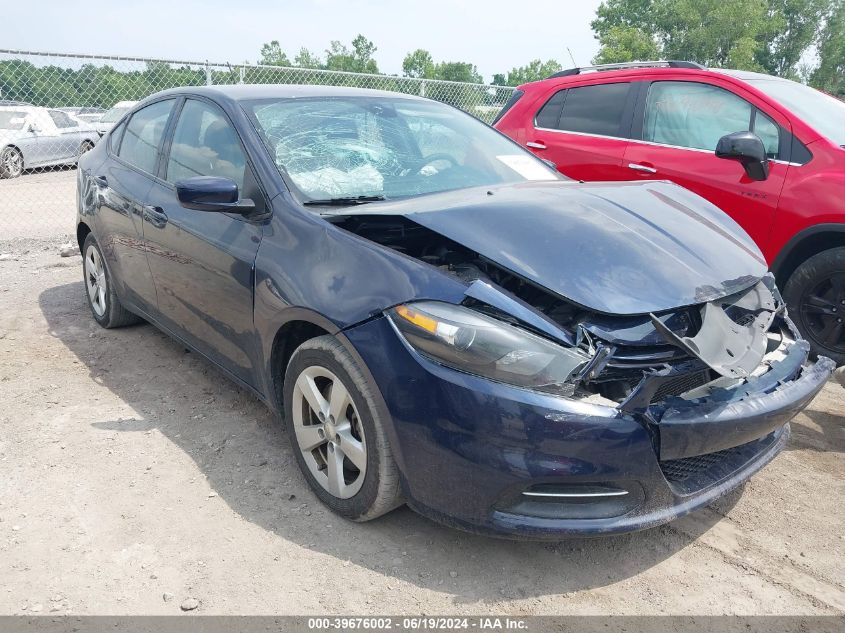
{"x": 136, "y": 479}
{"x": 39, "y": 204}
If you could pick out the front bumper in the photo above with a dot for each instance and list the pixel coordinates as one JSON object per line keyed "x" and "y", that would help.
{"x": 468, "y": 447}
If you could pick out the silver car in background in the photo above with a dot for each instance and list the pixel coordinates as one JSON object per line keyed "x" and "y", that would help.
{"x": 31, "y": 137}
{"x": 85, "y": 114}
{"x": 112, "y": 116}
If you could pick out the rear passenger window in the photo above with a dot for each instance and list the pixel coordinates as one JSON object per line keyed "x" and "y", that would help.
{"x": 205, "y": 144}
{"x": 595, "y": 109}
{"x": 516, "y": 96}
{"x": 588, "y": 109}
{"x": 142, "y": 139}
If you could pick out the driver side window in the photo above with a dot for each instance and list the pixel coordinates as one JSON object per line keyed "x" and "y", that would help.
{"x": 205, "y": 144}
{"x": 696, "y": 115}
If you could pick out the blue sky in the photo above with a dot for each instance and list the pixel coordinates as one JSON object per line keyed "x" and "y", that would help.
{"x": 494, "y": 35}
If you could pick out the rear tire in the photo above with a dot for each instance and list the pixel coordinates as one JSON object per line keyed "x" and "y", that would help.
{"x": 361, "y": 483}
{"x": 11, "y": 162}
{"x": 815, "y": 297}
{"x": 99, "y": 289}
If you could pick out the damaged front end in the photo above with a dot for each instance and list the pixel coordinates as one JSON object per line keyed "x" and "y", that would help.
{"x": 701, "y": 377}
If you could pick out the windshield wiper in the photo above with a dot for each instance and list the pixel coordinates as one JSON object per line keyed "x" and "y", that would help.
{"x": 344, "y": 201}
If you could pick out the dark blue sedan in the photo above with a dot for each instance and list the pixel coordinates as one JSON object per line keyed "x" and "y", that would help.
{"x": 441, "y": 319}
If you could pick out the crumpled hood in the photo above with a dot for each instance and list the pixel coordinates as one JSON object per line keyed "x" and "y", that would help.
{"x": 617, "y": 248}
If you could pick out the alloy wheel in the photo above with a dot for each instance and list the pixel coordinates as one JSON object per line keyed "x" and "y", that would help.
{"x": 329, "y": 432}
{"x": 95, "y": 280}
{"x": 823, "y": 310}
{"x": 12, "y": 162}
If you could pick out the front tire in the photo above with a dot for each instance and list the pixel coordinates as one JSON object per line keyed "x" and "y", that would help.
{"x": 99, "y": 289}
{"x": 337, "y": 430}
{"x": 11, "y": 162}
{"x": 815, "y": 297}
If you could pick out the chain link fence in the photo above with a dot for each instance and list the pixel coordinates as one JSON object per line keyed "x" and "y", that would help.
{"x": 54, "y": 106}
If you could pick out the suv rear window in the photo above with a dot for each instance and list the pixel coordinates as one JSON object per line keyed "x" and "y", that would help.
{"x": 515, "y": 96}
{"x": 588, "y": 109}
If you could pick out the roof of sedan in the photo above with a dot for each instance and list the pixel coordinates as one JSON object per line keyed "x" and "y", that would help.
{"x": 245, "y": 92}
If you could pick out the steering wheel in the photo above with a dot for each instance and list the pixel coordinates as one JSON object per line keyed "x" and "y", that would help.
{"x": 433, "y": 158}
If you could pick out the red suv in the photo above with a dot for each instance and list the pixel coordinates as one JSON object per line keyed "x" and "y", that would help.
{"x": 783, "y": 180}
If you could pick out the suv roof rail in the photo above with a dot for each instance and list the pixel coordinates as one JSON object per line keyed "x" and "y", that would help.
{"x": 624, "y": 65}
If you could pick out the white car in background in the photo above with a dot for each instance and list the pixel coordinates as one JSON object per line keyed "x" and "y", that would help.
{"x": 112, "y": 116}
{"x": 85, "y": 114}
{"x": 31, "y": 137}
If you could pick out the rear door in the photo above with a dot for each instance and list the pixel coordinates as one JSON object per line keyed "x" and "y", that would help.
{"x": 203, "y": 262}
{"x": 677, "y": 126}
{"x": 123, "y": 182}
{"x": 583, "y": 130}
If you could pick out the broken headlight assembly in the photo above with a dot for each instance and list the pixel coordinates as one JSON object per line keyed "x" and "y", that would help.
{"x": 475, "y": 343}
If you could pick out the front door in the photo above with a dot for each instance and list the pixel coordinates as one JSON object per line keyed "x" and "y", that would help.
{"x": 203, "y": 262}
{"x": 681, "y": 125}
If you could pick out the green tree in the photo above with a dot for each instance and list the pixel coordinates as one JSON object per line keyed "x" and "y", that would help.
{"x": 273, "y": 55}
{"x": 358, "y": 59}
{"x": 307, "y": 59}
{"x": 534, "y": 70}
{"x": 765, "y": 35}
{"x": 623, "y": 43}
{"x": 830, "y": 73}
{"x": 418, "y": 64}
{"x": 801, "y": 21}
{"x": 458, "y": 71}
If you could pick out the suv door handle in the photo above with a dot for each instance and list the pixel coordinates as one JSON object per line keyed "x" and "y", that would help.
{"x": 642, "y": 168}
{"x": 155, "y": 216}
{"x": 102, "y": 181}
{"x": 536, "y": 145}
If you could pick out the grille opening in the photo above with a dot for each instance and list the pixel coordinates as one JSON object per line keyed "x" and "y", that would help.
{"x": 692, "y": 474}
{"x": 682, "y": 384}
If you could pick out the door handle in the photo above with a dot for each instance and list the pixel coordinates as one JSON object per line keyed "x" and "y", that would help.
{"x": 102, "y": 181}
{"x": 536, "y": 144}
{"x": 642, "y": 168}
{"x": 155, "y": 216}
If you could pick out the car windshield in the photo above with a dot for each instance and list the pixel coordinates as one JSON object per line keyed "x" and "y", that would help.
{"x": 114, "y": 114}
{"x": 12, "y": 120}
{"x": 822, "y": 112}
{"x": 372, "y": 147}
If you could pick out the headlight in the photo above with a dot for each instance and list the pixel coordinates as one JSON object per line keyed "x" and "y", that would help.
{"x": 478, "y": 344}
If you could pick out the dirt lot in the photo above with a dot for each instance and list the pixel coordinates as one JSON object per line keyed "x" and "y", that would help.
{"x": 41, "y": 203}
{"x": 134, "y": 476}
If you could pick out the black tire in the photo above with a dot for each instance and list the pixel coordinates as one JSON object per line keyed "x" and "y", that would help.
{"x": 11, "y": 162}
{"x": 815, "y": 298}
{"x": 381, "y": 491}
{"x": 110, "y": 313}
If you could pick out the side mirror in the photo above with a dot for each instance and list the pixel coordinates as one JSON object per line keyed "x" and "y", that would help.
{"x": 748, "y": 149}
{"x": 210, "y": 193}
{"x": 34, "y": 127}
